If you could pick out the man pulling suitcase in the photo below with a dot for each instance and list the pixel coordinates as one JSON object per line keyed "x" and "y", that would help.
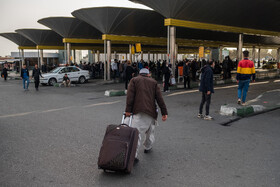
{"x": 142, "y": 95}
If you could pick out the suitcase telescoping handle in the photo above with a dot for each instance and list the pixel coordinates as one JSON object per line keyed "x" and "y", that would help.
{"x": 130, "y": 119}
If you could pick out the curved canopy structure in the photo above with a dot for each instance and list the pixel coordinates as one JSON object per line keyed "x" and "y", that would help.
{"x": 18, "y": 39}
{"x": 41, "y": 37}
{"x": 69, "y": 27}
{"x": 246, "y": 16}
{"x": 123, "y": 21}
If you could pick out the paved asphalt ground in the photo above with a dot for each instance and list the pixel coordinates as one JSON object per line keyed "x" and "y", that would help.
{"x": 52, "y": 138}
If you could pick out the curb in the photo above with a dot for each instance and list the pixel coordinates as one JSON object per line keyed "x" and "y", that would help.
{"x": 114, "y": 93}
{"x": 241, "y": 111}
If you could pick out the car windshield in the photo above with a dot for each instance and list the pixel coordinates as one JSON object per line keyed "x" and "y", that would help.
{"x": 56, "y": 70}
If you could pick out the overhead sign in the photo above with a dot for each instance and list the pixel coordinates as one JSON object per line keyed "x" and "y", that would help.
{"x": 201, "y": 52}
{"x": 138, "y": 47}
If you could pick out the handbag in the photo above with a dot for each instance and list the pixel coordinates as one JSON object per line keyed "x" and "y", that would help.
{"x": 172, "y": 81}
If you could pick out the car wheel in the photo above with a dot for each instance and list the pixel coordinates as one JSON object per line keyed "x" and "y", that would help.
{"x": 82, "y": 80}
{"x": 52, "y": 81}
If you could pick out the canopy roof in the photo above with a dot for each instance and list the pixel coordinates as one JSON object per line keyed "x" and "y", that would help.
{"x": 69, "y": 27}
{"x": 18, "y": 39}
{"x": 42, "y": 37}
{"x": 139, "y": 22}
{"x": 254, "y": 14}
{"x": 123, "y": 21}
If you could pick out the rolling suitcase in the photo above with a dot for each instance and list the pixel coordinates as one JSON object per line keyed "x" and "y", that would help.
{"x": 118, "y": 148}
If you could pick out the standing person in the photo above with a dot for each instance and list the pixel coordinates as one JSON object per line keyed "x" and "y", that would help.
{"x": 245, "y": 70}
{"x": 36, "y": 74}
{"x": 114, "y": 67}
{"x": 206, "y": 87}
{"x": 128, "y": 72}
{"x": 142, "y": 96}
{"x": 186, "y": 73}
{"x": 25, "y": 77}
{"x": 5, "y": 72}
{"x": 194, "y": 68}
{"x": 225, "y": 64}
{"x": 167, "y": 74}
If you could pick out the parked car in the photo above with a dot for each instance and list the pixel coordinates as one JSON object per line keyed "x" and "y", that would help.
{"x": 75, "y": 74}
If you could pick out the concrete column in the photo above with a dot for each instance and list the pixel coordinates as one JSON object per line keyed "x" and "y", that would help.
{"x": 162, "y": 57}
{"x": 259, "y": 55}
{"x": 168, "y": 44}
{"x": 149, "y": 57}
{"x": 93, "y": 56}
{"x": 278, "y": 55}
{"x": 240, "y": 46}
{"x": 22, "y": 60}
{"x": 254, "y": 54}
{"x": 105, "y": 60}
{"x": 172, "y": 47}
{"x": 109, "y": 56}
{"x": 221, "y": 54}
{"x": 211, "y": 55}
{"x": 115, "y": 55}
{"x": 41, "y": 58}
{"x": 98, "y": 55}
{"x": 130, "y": 53}
{"x": 68, "y": 53}
{"x": 142, "y": 55}
{"x": 74, "y": 54}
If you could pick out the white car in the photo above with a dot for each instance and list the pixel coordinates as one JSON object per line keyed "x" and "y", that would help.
{"x": 74, "y": 73}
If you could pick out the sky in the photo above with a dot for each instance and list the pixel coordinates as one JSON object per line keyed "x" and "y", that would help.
{"x": 19, "y": 14}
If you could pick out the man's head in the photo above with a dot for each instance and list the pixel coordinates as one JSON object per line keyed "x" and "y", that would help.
{"x": 246, "y": 54}
{"x": 24, "y": 66}
{"x": 211, "y": 63}
{"x": 144, "y": 72}
{"x": 36, "y": 66}
{"x": 65, "y": 75}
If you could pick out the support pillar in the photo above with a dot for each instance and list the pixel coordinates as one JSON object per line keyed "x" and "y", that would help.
{"x": 259, "y": 55}
{"x": 115, "y": 55}
{"x": 93, "y": 56}
{"x": 68, "y": 53}
{"x": 109, "y": 56}
{"x": 211, "y": 55}
{"x": 41, "y": 58}
{"x": 240, "y": 46}
{"x": 254, "y": 54}
{"x": 130, "y": 53}
{"x": 74, "y": 54}
{"x": 278, "y": 55}
{"x": 105, "y": 60}
{"x": 221, "y": 54}
{"x": 22, "y": 60}
{"x": 98, "y": 56}
{"x": 172, "y": 47}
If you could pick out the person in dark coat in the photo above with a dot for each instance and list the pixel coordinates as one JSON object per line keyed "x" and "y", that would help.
{"x": 36, "y": 74}
{"x": 194, "y": 68}
{"x": 206, "y": 87}
{"x": 186, "y": 73}
{"x": 129, "y": 72}
{"x": 5, "y": 72}
{"x": 167, "y": 74}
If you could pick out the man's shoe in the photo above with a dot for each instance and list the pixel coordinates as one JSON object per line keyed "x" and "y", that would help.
{"x": 239, "y": 101}
{"x": 147, "y": 151}
{"x": 136, "y": 160}
{"x": 208, "y": 118}
{"x": 243, "y": 104}
{"x": 200, "y": 116}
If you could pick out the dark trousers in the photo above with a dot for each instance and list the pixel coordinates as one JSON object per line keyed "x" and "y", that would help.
{"x": 194, "y": 75}
{"x": 37, "y": 82}
{"x": 205, "y": 98}
{"x": 127, "y": 80}
{"x": 187, "y": 79}
{"x": 166, "y": 82}
{"x": 5, "y": 76}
